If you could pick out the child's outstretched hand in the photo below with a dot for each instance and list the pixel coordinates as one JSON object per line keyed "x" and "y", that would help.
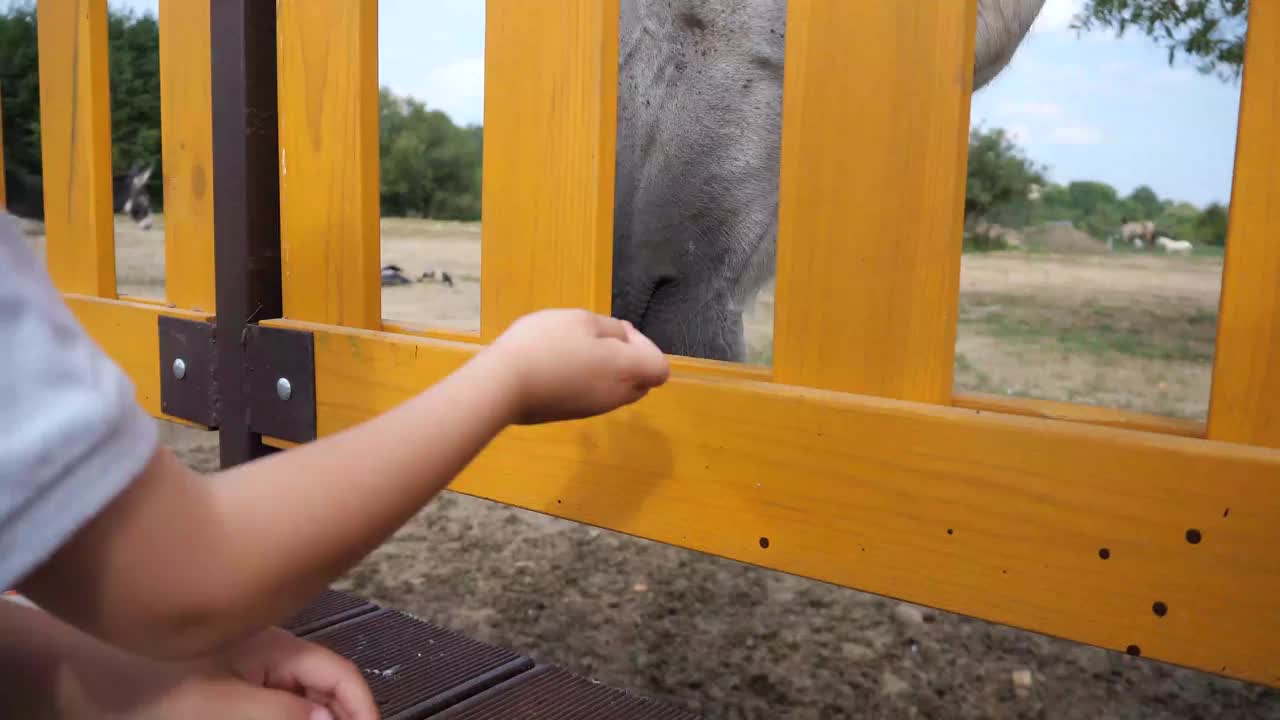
{"x": 571, "y": 364}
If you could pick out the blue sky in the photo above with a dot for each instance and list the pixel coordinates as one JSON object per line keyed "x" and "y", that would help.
{"x": 1094, "y": 106}
{"x": 1088, "y": 107}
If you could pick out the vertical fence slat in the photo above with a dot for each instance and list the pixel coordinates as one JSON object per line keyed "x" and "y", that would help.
{"x": 75, "y": 131}
{"x": 329, "y": 218}
{"x": 875, "y": 125}
{"x": 186, "y": 112}
{"x": 550, "y": 122}
{"x": 1245, "y": 404}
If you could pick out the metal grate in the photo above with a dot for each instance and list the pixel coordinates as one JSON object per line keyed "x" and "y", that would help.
{"x": 415, "y": 668}
{"x": 549, "y": 692}
{"x": 331, "y": 608}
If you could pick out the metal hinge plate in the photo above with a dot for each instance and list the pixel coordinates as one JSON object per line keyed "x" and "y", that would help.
{"x": 280, "y": 373}
{"x": 188, "y": 372}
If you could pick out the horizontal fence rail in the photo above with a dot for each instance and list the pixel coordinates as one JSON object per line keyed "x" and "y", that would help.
{"x": 985, "y": 514}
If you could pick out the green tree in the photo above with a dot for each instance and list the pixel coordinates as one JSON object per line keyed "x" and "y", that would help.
{"x": 134, "y": 49}
{"x": 999, "y": 173}
{"x": 430, "y": 166}
{"x": 1179, "y": 221}
{"x": 1211, "y": 32}
{"x": 1211, "y": 226}
{"x": 1143, "y": 203}
{"x": 20, "y": 88}
{"x": 134, "y": 57}
{"x": 1090, "y": 197}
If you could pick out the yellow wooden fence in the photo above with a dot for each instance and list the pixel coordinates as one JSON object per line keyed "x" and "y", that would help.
{"x": 851, "y": 460}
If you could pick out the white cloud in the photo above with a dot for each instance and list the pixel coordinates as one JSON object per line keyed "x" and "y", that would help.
{"x": 1075, "y": 135}
{"x": 1029, "y": 108}
{"x": 1119, "y": 67}
{"x": 456, "y": 87}
{"x": 1019, "y": 133}
{"x": 1056, "y": 16}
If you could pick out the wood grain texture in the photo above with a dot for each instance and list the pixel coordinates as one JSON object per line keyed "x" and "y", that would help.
{"x": 75, "y": 134}
{"x": 991, "y": 515}
{"x": 1245, "y": 403}
{"x": 549, "y": 135}
{"x": 329, "y": 198}
{"x": 186, "y": 120}
{"x": 127, "y": 332}
{"x": 1087, "y": 414}
{"x": 874, "y": 146}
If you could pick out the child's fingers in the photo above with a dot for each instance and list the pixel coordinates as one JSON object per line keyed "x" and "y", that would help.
{"x": 635, "y": 337}
{"x": 238, "y": 699}
{"x": 642, "y": 362}
{"x": 609, "y": 327}
{"x": 329, "y": 679}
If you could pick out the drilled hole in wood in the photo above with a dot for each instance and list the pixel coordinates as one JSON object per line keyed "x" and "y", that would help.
{"x": 1104, "y": 553}
{"x": 1134, "y": 650}
{"x": 1193, "y": 536}
{"x": 951, "y": 531}
{"x": 1160, "y": 609}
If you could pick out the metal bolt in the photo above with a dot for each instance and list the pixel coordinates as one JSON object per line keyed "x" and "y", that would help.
{"x": 179, "y": 368}
{"x": 283, "y": 389}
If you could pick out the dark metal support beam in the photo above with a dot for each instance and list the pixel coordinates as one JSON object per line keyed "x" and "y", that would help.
{"x": 246, "y": 204}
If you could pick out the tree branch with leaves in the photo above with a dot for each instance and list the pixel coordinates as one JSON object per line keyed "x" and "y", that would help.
{"x": 1210, "y": 32}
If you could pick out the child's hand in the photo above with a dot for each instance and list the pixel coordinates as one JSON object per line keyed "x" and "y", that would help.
{"x": 274, "y": 659}
{"x": 216, "y": 697}
{"x": 571, "y": 364}
{"x": 272, "y": 675}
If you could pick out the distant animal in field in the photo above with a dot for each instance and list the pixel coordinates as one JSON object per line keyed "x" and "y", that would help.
{"x": 1174, "y": 247}
{"x": 25, "y": 195}
{"x": 393, "y": 275}
{"x": 430, "y": 275}
{"x": 1144, "y": 230}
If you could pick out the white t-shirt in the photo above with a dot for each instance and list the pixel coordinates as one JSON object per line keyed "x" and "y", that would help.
{"x": 72, "y": 435}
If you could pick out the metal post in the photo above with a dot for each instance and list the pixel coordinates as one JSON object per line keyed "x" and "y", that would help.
{"x": 246, "y": 202}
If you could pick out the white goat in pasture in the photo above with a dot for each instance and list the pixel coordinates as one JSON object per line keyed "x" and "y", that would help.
{"x": 1174, "y": 247}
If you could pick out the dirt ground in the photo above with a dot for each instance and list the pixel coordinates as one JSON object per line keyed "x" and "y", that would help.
{"x": 734, "y": 641}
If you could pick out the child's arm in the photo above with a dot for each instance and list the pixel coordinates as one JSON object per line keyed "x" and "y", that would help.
{"x": 180, "y": 565}
{"x": 52, "y": 671}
